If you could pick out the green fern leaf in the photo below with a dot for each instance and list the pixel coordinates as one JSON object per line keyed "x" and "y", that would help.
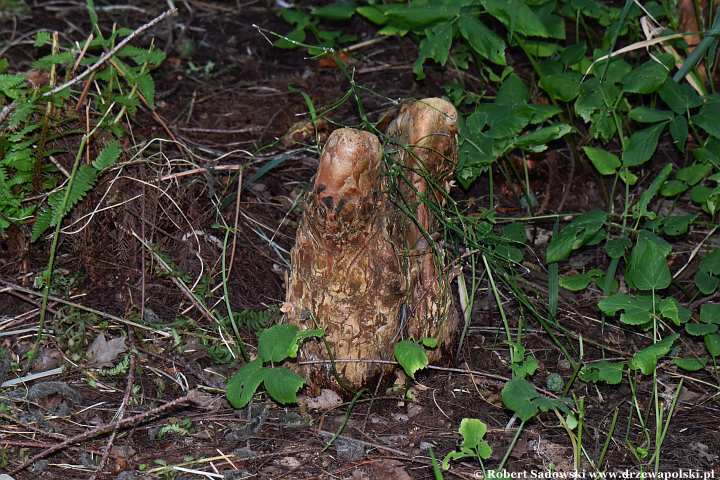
{"x": 108, "y": 156}
{"x": 146, "y": 85}
{"x": 84, "y": 180}
{"x": 42, "y": 223}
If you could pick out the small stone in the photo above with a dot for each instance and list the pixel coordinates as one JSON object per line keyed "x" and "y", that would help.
{"x": 349, "y": 450}
{"x": 243, "y": 452}
{"x": 289, "y": 462}
{"x": 426, "y": 446}
{"x": 400, "y": 417}
{"x": 39, "y": 466}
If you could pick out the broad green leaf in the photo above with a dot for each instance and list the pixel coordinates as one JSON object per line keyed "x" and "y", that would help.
{"x": 636, "y": 317}
{"x": 603, "y": 371}
{"x": 679, "y": 132}
{"x": 647, "y": 78}
{"x": 517, "y": 17}
{"x": 710, "y": 313}
{"x": 706, "y": 282}
{"x": 108, "y": 156}
{"x": 276, "y": 343}
{"x": 700, "y": 194}
{"x": 541, "y": 113}
{"x": 680, "y": 97}
{"x": 522, "y": 397}
{"x": 540, "y": 48}
{"x": 648, "y": 268}
{"x": 506, "y": 121}
{"x": 646, "y": 359}
{"x": 707, "y": 278}
{"x": 669, "y": 308}
{"x": 678, "y": 224}
{"x": 616, "y": 247}
{"x": 700, "y": 329}
{"x": 373, "y": 13}
{"x": 605, "y": 162}
{"x": 707, "y": 118}
{"x": 616, "y": 71}
{"x": 709, "y": 154}
{"x": 335, "y": 11}
{"x": 641, "y": 145}
{"x": 537, "y": 140}
{"x": 563, "y": 86}
{"x": 242, "y": 385}
{"x": 483, "y": 41}
{"x": 690, "y": 364}
{"x": 650, "y": 115}
{"x": 282, "y": 384}
{"x": 579, "y": 232}
{"x": 141, "y": 56}
{"x": 513, "y": 91}
{"x": 519, "y": 395}
{"x": 576, "y": 282}
{"x": 291, "y": 39}
{"x": 573, "y": 54}
{"x": 414, "y": 17}
{"x": 627, "y": 176}
{"x": 694, "y": 174}
{"x": 641, "y": 209}
{"x": 411, "y": 357}
{"x": 435, "y": 46}
{"x": 303, "y": 335}
{"x": 637, "y": 310}
{"x": 712, "y": 343}
{"x": 672, "y": 188}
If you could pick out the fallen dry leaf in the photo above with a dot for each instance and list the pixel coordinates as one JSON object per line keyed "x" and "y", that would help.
{"x": 103, "y": 352}
{"x": 326, "y": 400}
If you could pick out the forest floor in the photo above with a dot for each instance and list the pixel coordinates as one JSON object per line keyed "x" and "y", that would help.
{"x": 225, "y": 99}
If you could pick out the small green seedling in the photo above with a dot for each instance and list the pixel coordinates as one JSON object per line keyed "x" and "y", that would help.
{"x": 473, "y": 444}
{"x": 275, "y": 345}
{"x": 411, "y": 355}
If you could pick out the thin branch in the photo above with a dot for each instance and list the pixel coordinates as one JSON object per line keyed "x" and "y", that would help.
{"x": 109, "y": 427}
{"x": 7, "y": 110}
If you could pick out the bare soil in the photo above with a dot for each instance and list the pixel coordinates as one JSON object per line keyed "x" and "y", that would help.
{"x": 228, "y": 96}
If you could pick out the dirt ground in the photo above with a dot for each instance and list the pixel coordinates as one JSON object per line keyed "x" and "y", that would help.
{"x": 226, "y": 97}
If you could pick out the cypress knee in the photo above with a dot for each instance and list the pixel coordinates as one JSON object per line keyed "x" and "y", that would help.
{"x": 364, "y": 266}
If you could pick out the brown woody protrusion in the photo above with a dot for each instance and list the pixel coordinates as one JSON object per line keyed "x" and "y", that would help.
{"x": 361, "y": 268}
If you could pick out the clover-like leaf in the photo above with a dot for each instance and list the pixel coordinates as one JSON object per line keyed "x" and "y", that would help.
{"x": 244, "y": 383}
{"x": 690, "y": 364}
{"x": 641, "y": 145}
{"x": 606, "y": 163}
{"x": 648, "y": 268}
{"x": 576, "y": 234}
{"x": 603, "y": 371}
{"x": 410, "y": 356}
{"x": 646, "y": 359}
{"x": 276, "y": 343}
{"x": 282, "y": 384}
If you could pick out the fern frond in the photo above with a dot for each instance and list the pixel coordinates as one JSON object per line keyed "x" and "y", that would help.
{"x": 108, "y": 156}
{"x": 42, "y": 223}
{"x": 255, "y": 320}
{"x": 85, "y": 178}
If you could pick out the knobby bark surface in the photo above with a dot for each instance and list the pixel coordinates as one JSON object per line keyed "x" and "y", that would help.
{"x": 365, "y": 266}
